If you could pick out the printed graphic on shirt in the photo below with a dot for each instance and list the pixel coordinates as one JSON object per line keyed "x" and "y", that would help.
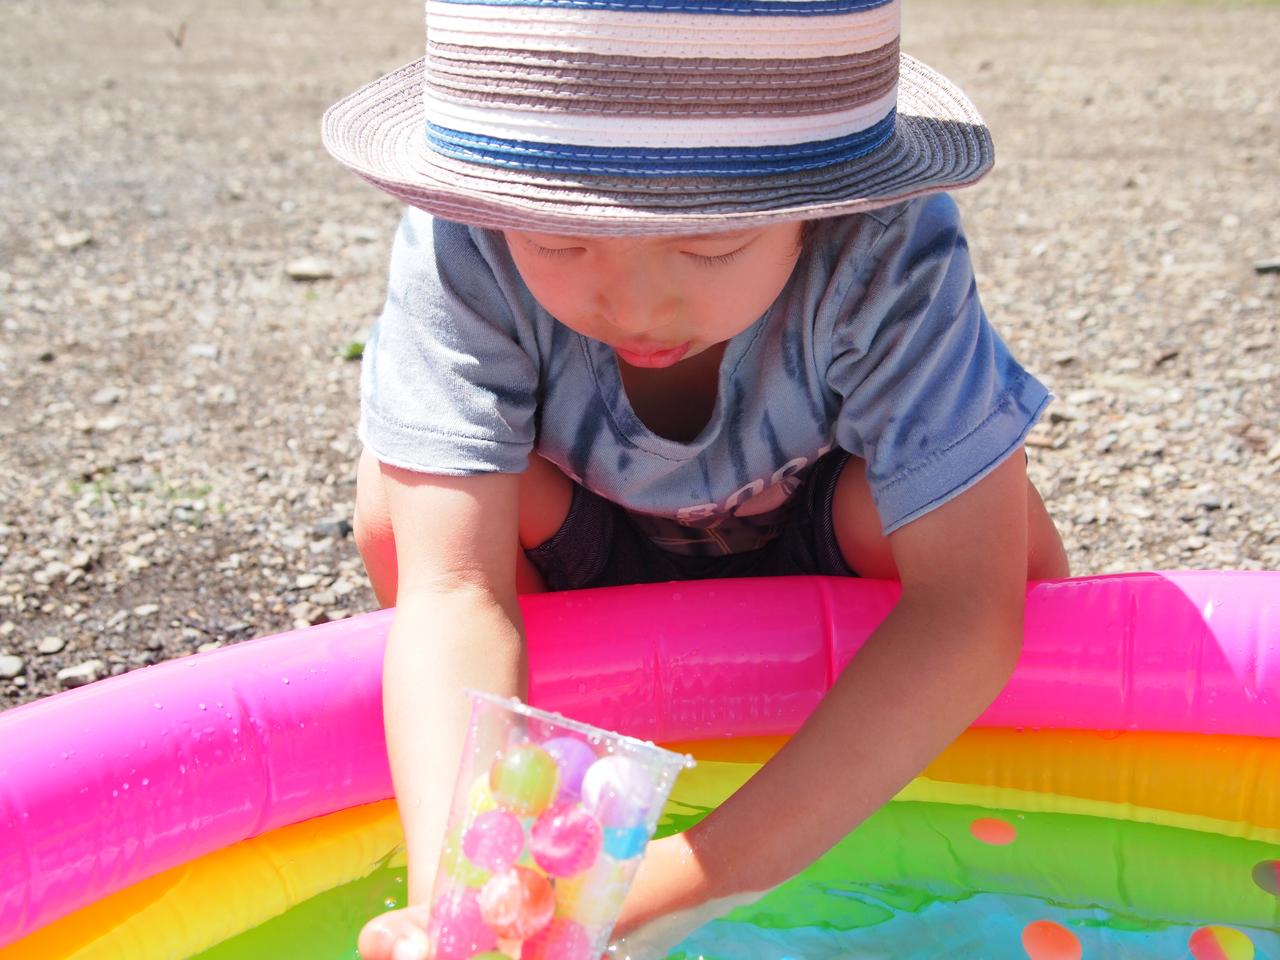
{"x": 747, "y": 519}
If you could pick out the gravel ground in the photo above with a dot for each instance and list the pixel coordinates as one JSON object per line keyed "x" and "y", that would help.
{"x": 177, "y": 409}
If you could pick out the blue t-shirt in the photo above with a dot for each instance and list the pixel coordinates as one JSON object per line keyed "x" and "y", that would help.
{"x": 877, "y": 344}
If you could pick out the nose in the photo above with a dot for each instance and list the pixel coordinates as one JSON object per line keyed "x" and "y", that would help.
{"x": 634, "y": 306}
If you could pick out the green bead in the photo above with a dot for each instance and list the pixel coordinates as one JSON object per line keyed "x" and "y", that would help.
{"x": 525, "y": 780}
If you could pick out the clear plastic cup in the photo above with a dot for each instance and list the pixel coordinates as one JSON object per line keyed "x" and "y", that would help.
{"x": 548, "y": 824}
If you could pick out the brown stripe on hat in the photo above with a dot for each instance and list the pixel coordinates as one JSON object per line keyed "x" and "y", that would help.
{"x": 478, "y": 60}
{"x": 669, "y": 87}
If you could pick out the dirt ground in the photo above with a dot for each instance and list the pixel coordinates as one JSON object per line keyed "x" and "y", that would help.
{"x": 177, "y": 413}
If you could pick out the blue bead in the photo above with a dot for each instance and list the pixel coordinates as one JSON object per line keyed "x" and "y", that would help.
{"x": 623, "y": 843}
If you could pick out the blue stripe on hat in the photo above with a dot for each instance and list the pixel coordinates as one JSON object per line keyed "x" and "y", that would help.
{"x": 795, "y": 8}
{"x": 658, "y": 161}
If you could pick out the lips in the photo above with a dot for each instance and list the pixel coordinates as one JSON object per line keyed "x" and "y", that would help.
{"x": 643, "y": 356}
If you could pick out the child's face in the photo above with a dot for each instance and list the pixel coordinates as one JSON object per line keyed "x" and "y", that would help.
{"x": 658, "y": 300}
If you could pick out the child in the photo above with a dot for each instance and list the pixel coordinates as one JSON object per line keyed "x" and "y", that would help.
{"x": 692, "y": 305}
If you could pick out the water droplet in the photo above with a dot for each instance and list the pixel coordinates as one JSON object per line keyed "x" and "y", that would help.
{"x": 391, "y": 903}
{"x": 285, "y": 681}
{"x": 158, "y": 706}
{"x": 145, "y": 781}
{"x": 203, "y": 707}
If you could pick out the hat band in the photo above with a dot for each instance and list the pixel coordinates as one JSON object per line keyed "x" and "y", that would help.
{"x": 659, "y": 161}
{"x": 788, "y": 8}
{"x": 568, "y": 32}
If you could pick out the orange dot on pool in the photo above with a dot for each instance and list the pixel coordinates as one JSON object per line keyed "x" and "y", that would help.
{"x": 1267, "y": 875}
{"x": 1046, "y": 940}
{"x": 1220, "y": 943}
{"x": 995, "y": 832}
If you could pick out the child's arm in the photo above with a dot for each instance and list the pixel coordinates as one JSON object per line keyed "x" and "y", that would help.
{"x": 456, "y": 625}
{"x": 925, "y": 675}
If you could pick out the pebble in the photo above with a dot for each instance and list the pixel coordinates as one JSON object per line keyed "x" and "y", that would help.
{"x": 73, "y": 239}
{"x": 81, "y": 674}
{"x": 107, "y": 396}
{"x": 1267, "y": 266}
{"x": 51, "y": 645}
{"x": 332, "y": 528}
{"x": 10, "y": 666}
{"x": 308, "y": 269}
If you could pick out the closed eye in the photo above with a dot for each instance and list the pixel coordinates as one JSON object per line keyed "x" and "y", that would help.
{"x": 719, "y": 259}
{"x": 554, "y": 251}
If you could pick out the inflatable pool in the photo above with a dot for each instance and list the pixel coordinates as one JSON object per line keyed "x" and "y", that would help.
{"x": 1121, "y": 798}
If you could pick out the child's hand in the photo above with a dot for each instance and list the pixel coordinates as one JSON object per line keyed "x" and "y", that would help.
{"x": 397, "y": 935}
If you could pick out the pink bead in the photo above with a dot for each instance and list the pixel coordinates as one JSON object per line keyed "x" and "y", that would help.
{"x": 517, "y": 903}
{"x": 565, "y": 840}
{"x": 458, "y": 928}
{"x": 494, "y": 840}
{"x": 561, "y": 940}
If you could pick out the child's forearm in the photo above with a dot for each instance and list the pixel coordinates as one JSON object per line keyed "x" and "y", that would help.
{"x": 441, "y": 643}
{"x": 923, "y": 677}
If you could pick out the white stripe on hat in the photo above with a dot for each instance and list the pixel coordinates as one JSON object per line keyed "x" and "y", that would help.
{"x": 645, "y": 34}
{"x": 611, "y": 130}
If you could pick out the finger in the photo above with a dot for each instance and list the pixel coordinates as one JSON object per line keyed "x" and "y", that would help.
{"x": 380, "y": 938}
{"x": 411, "y": 946}
{"x": 377, "y": 938}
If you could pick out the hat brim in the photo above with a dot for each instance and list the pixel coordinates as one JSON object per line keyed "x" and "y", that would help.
{"x": 939, "y": 143}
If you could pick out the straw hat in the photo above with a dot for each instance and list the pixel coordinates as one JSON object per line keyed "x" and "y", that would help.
{"x": 600, "y": 117}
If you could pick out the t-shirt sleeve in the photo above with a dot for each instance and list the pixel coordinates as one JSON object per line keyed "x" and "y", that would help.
{"x": 447, "y": 386}
{"x": 930, "y": 396}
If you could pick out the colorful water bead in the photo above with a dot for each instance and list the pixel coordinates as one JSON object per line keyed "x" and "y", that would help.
{"x": 517, "y": 903}
{"x": 1220, "y": 943}
{"x": 524, "y": 779}
{"x": 623, "y": 843}
{"x": 458, "y": 928}
{"x": 1047, "y": 940}
{"x": 494, "y": 840}
{"x": 593, "y": 897}
{"x": 573, "y": 757}
{"x": 480, "y": 797}
{"x": 457, "y": 867}
{"x": 618, "y": 791}
{"x": 565, "y": 840}
{"x": 560, "y": 940}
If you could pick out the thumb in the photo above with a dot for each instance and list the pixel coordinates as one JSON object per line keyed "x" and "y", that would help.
{"x": 412, "y": 945}
{"x": 398, "y": 935}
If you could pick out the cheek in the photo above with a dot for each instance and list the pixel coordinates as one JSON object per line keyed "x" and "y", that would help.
{"x": 553, "y": 288}
{"x": 754, "y": 290}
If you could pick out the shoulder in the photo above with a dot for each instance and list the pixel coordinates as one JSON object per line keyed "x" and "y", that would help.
{"x": 437, "y": 261}
{"x": 427, "y": 245}
{"x": 883, "y": 231}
